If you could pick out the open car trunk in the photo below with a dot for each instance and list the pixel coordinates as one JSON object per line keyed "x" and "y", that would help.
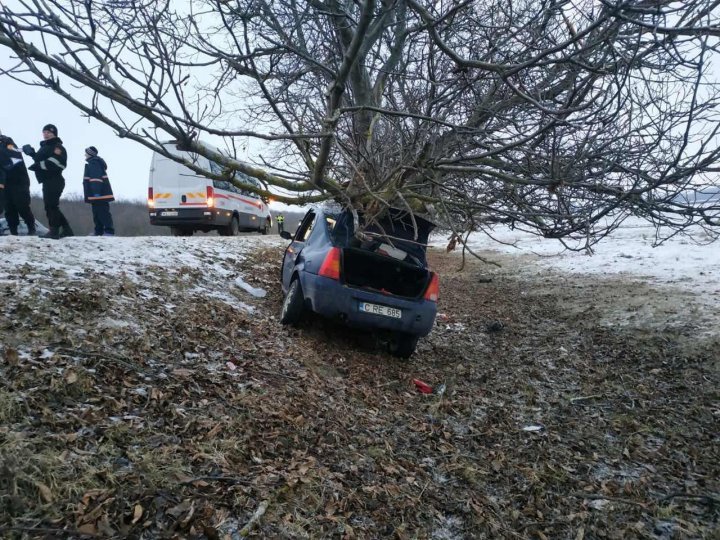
{"x": 391, "y": 259}
{"x": 370, "y": 270}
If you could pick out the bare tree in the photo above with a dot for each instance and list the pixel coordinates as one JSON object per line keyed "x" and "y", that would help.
{"x": 562, "y": 117}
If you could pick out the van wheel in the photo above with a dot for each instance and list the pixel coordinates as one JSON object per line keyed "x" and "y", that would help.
{"x": 293, "y": 305}
{"x": 181, "y": 231}
{"x": 266, "y": 228}
{"x": 403, "y": 345}
{"x": 232, "y": 229}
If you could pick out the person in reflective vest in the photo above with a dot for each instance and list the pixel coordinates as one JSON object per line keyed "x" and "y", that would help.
{"x": 280, "y": 223}
{"x": 98, "y": 192}
{"x": 49, "y": 163}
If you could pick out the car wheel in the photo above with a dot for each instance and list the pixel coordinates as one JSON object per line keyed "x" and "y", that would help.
{"x": 232, "y": 229}
{"x": 293, "y": 305}
{"x": 181, "y": 231}
{"x": 266, "y": 228}
{"x": 403, "y": 345}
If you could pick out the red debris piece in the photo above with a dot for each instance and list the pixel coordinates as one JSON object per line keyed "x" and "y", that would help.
{"x": 422, "y": 387}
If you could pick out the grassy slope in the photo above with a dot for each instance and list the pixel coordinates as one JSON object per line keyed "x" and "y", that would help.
{"x": 157, "y": 412}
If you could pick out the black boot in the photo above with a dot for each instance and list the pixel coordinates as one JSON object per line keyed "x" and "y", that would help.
{"x": 32, "y": 231}
{"x": 53, "y": 233}
{"x": 66, "y": 231}
{"x": 13, "y": 231}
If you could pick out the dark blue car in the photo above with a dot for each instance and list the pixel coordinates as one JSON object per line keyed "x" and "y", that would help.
{"x": 379, "y": 281}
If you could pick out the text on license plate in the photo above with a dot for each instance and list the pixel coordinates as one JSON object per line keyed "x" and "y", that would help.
{"x": 169, "y": 213}
{"x": 381, "y": 310}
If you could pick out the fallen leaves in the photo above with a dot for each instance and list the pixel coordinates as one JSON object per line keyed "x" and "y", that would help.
{"x": 198, "y": 420}
{"x": 137, "y": 513}
{"x": 45, "y": 492}
{"x": 10, "y": 356}
{"x": 70, "y": 377}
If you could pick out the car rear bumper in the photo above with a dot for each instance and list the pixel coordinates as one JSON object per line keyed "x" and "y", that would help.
{"x": 189, "y": 216}
{"x": 330, "y": 298}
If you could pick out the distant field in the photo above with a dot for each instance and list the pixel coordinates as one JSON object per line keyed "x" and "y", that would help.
{"x": 130, "y": 217}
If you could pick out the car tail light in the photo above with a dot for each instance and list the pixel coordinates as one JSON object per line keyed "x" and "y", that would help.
{"x": 210, "y": 196}
{"x": 433, "y": 290}
{"x": 330, "y": 267}
{"x": 151, "y": 200}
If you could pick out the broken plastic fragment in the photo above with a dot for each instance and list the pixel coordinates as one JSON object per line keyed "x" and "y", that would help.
{"x": 422, "y": 387}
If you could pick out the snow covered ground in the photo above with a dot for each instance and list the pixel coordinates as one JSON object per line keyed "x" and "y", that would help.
{"x": 74, "y": 259}
{"x": 123, "y": 255}
{"x": 679, "y": 262}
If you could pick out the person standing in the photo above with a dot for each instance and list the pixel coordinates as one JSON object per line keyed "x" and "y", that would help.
{"x": 17, "y": 187}
{"x": 50, "y": 162}
{"x": 280, "y": 223}
{"x": 3, "y": 178}
{"x": 98, "y": 192}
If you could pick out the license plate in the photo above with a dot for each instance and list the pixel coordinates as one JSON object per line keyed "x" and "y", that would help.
{"x": 169, "y": 213}
{"x": 385, "y": 311}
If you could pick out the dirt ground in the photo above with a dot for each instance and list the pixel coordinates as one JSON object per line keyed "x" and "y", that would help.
{"x": 563, "y": 407}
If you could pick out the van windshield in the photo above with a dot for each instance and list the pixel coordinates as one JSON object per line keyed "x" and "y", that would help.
{"x": 216, "y": 168}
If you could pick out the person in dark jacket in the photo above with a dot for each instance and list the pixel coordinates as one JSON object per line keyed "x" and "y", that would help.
{"x": 17, "y": 187}
{"x": 50, "y": 162}
{"x": 98, "y": 192}
{"x": 3, "y": 177}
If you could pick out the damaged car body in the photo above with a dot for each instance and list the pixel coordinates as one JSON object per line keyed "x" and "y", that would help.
{"x": 376, "y": 280}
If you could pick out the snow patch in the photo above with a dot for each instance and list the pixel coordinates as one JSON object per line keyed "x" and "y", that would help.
{"x": 223, "y": 297}
{"x": 679, "y": 261}
{"x": 210, "y": 261}
{"x": 257, "y": 292}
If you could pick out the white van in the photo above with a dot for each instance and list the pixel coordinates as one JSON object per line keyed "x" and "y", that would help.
{"x": 187, "y": 202}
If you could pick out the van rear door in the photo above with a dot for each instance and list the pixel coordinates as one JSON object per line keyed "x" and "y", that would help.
{"x": 176, "y": 186}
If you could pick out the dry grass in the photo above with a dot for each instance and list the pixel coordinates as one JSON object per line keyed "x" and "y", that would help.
{"x": 184, "y": 423}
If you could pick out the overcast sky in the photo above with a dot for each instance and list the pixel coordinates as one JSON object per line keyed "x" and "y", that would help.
{"x": 26, "y": 109}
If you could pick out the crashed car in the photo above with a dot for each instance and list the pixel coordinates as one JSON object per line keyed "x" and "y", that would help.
{"x": 381, "y": 282}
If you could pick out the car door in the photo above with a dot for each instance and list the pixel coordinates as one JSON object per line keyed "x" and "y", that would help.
{"x": 293, "y": 253}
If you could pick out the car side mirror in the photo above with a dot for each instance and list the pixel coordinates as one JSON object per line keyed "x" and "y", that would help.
{"x": 286, "y": 235}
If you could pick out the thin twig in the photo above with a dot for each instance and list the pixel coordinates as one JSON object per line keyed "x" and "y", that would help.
{"x": 273, "y": 374}
{"x": 596, "y": 497}
{"x": 255, "y": 518}
{"x": 584, "y": 398}
{"x": 102, "y": 356}
{"x": 709, "y": 499}
{"x": 227, "y": 479}
{"x": 47, "y": 530}
{"x": 423, "y": 490}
